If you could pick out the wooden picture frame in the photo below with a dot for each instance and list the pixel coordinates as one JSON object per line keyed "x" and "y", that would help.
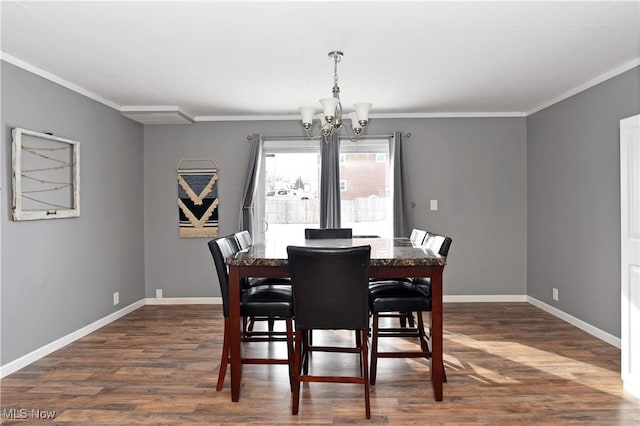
{"x": 45, "y": 176}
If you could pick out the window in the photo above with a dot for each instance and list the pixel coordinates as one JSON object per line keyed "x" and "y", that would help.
{"x": 367, "y": 203}
{"x": 289, "y": 187}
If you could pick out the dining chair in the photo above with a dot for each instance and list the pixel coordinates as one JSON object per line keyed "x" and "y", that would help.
{"x": 393, "y": 296}
{"x": 417, "y": 236}
{"x": 244, "y": 239}
{"x": 274, "y": 302}
{"x": 330, "y": 292}
{"x": 327, "y": 233}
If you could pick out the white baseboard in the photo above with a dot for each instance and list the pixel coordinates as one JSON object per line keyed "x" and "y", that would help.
{"x": 485, "y": 298}
{"x": 45, "y": 350}
{"x": 594, "y": 331}
{"x": 183, "y": 301}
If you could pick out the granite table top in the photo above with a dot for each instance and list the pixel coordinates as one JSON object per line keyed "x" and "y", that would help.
{"x": 384, "y": 252}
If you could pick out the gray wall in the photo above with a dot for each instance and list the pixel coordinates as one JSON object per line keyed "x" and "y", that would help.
{"x": 573, "y": 186}
{"x": 476, "y": 168}
{"x": 59, "y": 275}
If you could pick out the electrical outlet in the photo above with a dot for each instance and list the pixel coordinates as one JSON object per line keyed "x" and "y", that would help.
{"x": 116, "y": 298}
{"x": 433, "y": 205}
{"x": 555, "y": 294}
{"x": 158, "y": 293}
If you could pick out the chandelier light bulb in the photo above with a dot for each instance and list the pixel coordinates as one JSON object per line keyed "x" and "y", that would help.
{"x": 355, "y": 123}
{"x": 307, "y": 116}
{"x": 362, "y": 109}
{"x": 329, "y": 106}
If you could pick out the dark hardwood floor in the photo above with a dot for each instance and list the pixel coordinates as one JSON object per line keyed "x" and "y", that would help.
{"x": 506, "y": 364}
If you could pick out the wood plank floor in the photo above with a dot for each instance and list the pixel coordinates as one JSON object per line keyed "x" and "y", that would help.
{"x": 506, "y": 364}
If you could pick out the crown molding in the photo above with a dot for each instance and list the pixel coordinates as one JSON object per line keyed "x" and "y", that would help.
{"x": 286, "y": 117}
{"x": 589, "y": 84}
{"x": 58, "y": 80}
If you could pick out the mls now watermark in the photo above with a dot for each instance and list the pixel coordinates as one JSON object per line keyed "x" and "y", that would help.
{"x": 27, "y": 413}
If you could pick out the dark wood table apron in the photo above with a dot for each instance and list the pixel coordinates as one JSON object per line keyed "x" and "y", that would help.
{"x": 390, "y": 258}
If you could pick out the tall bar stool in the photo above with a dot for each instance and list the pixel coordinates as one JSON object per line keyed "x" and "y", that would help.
{"x": 273, "y": 302}
{"x": 330, "y": 292}
{"x": 394, "y": 296}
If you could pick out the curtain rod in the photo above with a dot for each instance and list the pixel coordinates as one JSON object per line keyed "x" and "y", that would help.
{"x": 286, "y": 138}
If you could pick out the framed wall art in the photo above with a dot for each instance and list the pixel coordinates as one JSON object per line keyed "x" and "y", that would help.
{"x": 45, "y": 176}
{"x": 198, "y": 197}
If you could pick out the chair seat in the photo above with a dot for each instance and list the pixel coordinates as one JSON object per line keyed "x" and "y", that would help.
{"x": 398, "y": 296}
{"x": 267, "y": 300}
{"x": 424, "y": 284}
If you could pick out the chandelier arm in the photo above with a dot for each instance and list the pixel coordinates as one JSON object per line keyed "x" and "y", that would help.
{"x": 353, "y": 137}
{"x": 338, "y": 114}
{"x": 309, "y": 135}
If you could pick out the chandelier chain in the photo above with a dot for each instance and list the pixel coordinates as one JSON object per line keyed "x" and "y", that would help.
{"x": 335, "y": 70}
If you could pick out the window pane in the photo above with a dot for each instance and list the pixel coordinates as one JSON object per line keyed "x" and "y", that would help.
{"x": 291, "y": 187}
{"x": 366, "y": 194}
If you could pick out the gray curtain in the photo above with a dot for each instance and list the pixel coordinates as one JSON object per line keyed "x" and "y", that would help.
{"x": 247, "y": 220}
{"x": 400, "y": 223}
{"x": 330, "y": 183}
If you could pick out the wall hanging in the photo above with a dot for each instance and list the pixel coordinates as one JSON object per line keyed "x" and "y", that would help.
{"x": 198, "y": 198}
{"x": 45, "y": 176}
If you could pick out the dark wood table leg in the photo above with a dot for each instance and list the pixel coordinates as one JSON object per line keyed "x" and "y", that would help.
{"x": 235, "y": 349}
{"x": 437, "y": 365}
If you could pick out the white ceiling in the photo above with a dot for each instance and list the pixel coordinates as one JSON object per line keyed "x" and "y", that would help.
{"x": 231, "y": 60}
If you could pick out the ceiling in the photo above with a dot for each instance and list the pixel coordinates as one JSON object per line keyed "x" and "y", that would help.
{"x": 207, "y": 61}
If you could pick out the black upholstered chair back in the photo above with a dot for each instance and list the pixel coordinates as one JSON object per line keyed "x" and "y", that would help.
{"x": 444, "y": 247}
{"x": 220, "y": 249}
{"x": 438, "y": 244}
{"x": 244, "y": 239}
{"x": 330, "y": 287}
{"x": 418, "y": 236}
{"x": 327, "y": 233}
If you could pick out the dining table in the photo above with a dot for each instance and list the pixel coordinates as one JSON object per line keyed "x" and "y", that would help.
{"x": 390, "y": 258}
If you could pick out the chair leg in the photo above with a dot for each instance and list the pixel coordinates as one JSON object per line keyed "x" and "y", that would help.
{"x": 290, "y": 350}
{"x": 295, "y": 396}
{"x": 403, "y": 319}
{"x": 374, "y": 350}
{"x": 359, "y": 344}
{"x": 225, "y": 356}
{"x": 422, "y": 336}
{"x": 363, "y": 359}
{"x": 306, "y": 337}
{"x": 410, "y": 319}
{"x": 271, "y": 323}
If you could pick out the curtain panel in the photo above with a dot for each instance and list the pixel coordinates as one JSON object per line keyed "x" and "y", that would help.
{"x": 330, "y": 183}
{"x": 400, "y": 222}
{"x": 254, "y": 168}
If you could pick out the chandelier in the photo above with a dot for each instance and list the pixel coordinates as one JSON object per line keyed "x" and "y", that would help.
{"x": 331, "y": 121}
